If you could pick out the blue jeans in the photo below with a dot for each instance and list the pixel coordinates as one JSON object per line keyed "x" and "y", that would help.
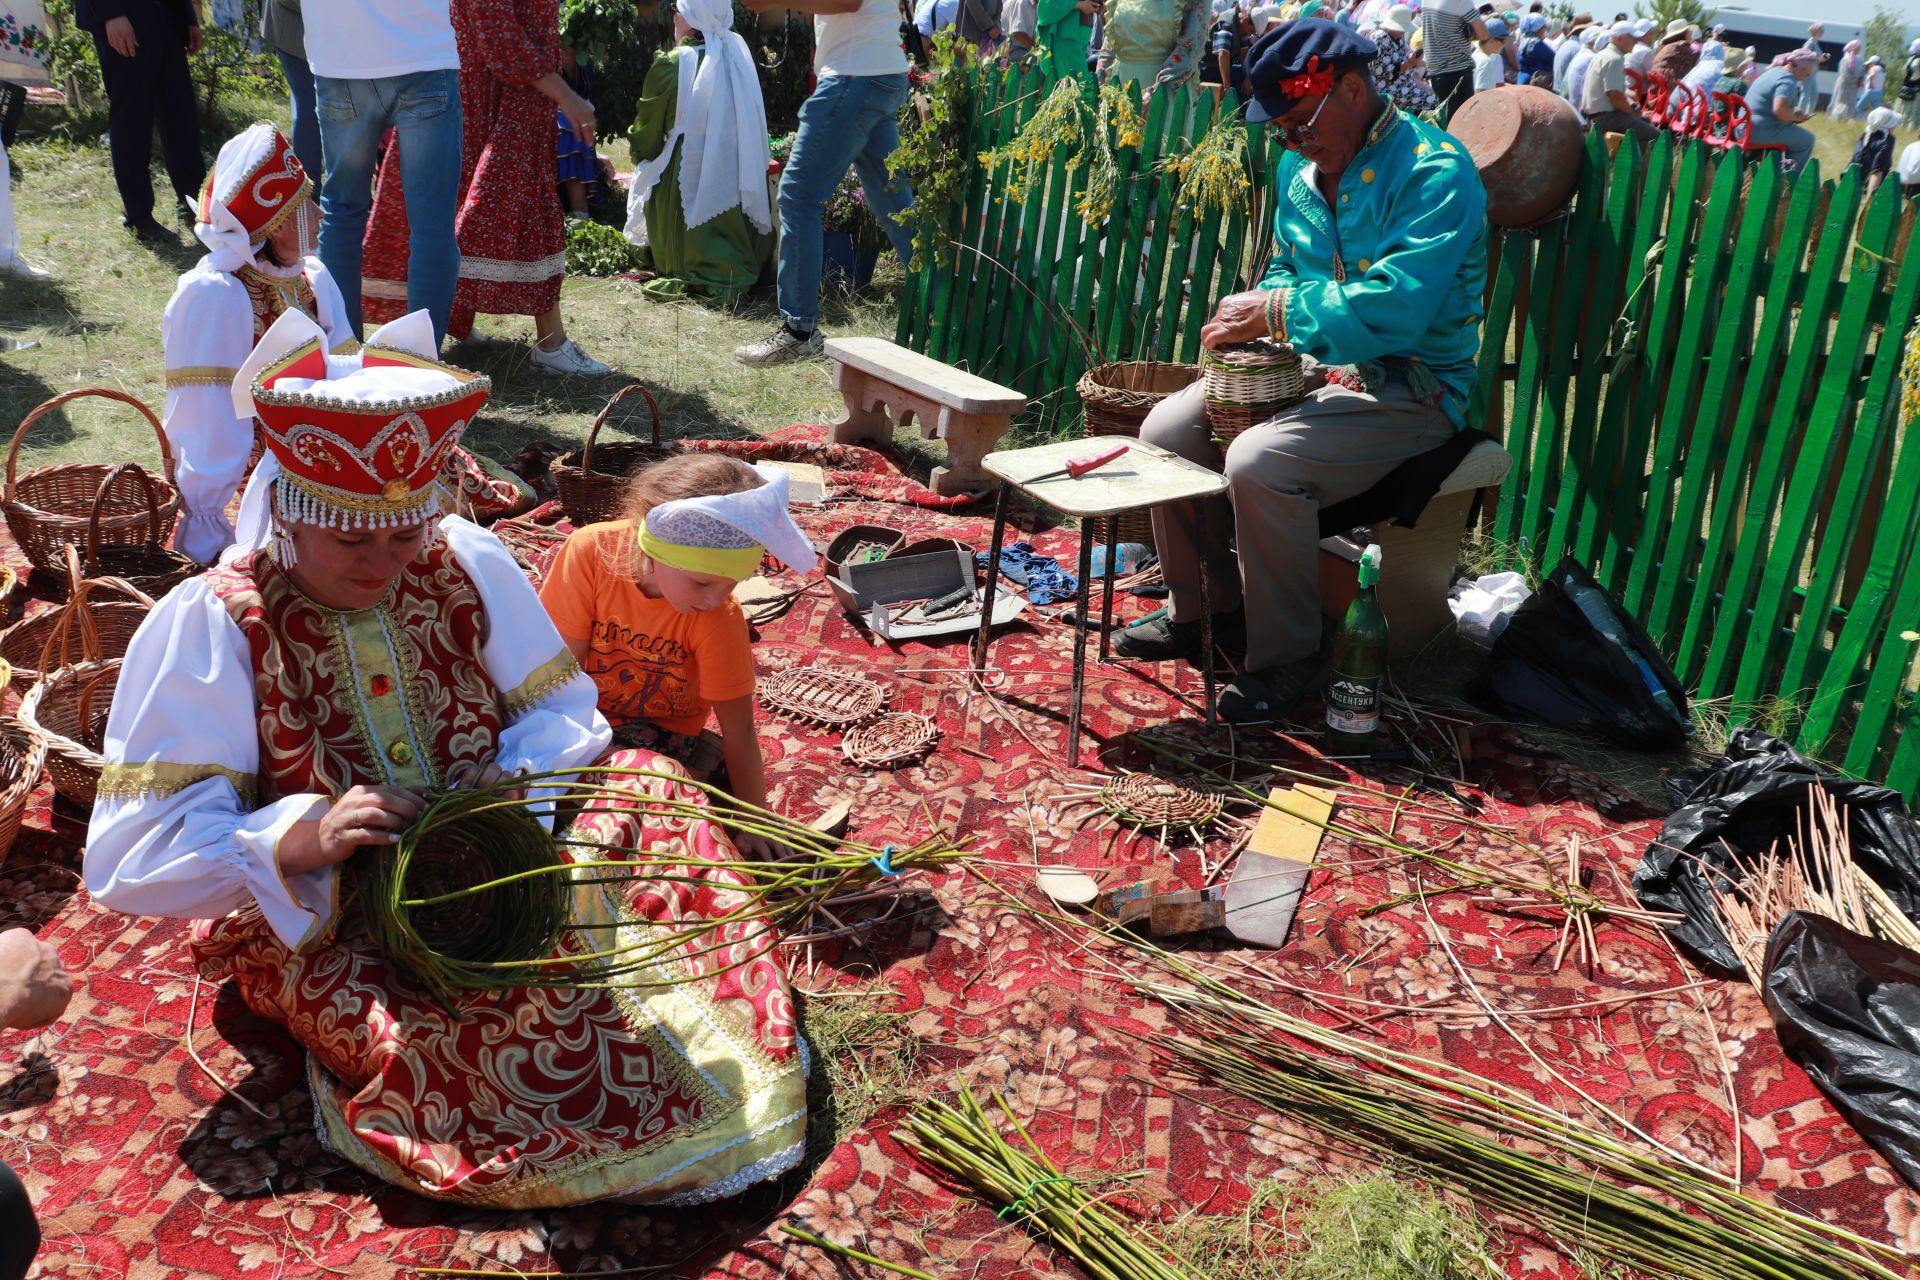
{"x": 423, "y": 109}
{"x": 849, "y": 121}
{"x": 1769, "y": 129}
{"x": 306, "y": 119}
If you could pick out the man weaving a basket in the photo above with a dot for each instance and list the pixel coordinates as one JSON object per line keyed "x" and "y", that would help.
{"x": 303, "y": 704}
{"x": 1377, "y": 274}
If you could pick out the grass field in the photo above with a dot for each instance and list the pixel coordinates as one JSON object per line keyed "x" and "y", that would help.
{"x": 97, "y": 324}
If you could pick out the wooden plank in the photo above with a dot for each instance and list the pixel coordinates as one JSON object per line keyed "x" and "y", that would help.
{"x": 1512, "y": 295}
{"x": 1173, "y": 129}
{"x": 1153, "y": 195}
{"x": 961, "y": 319}
{"x": 1540, "y": 448}
{"x": 1809, "y": 484}
{"x": 1867, "y": 612}
{"x": 1687, "y": 448}
{"x": 1580, "y": 514}
{"x": 1617, "y": 418}
{"x": 1175, "y": 296}
{"x": 1748, "y": 417}
{"x": 1010, "y": 298}
{"x": 1034, "y": 325}
{"x": 985, "y": 324}
{"x": 1198, "y": 295}
{"x": 1073, "y": 281}
{"x": 1880, "y": 701}
{"x": 1731, "y": 640}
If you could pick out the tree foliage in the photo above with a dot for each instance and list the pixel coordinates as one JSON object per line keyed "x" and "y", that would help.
{"x": 1664, "y": 11}
{"x": 1886, "y": 35}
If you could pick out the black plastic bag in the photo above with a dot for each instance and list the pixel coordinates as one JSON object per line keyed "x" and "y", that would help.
{"x": 1572, "y": 658}
{"x": 1848, "y": 1011}
{"x": 1755, "y": 796}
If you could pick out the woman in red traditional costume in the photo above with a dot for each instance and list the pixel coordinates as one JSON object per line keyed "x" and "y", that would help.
{"x": 513, "y": 244}
{"x": 290, "y": 707}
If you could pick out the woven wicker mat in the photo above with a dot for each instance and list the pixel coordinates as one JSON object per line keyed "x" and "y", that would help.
{"x": 141, "y": 1167}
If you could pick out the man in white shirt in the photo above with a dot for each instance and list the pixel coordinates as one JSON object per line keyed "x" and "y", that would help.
{"x": 1603, "y": 95}
{"x": 1908, "y": 169}
{"x": 850, "y": 121}
{"x": 1489, "y": 57}
{"x": 380, "y": 64}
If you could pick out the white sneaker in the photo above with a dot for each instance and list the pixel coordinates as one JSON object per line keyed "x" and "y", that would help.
{"x": 781, "y": 348}
{"x": 567, "y": 361}
{"x": 21, "y": 269}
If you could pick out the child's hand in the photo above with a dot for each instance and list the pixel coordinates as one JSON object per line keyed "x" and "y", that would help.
{"x": 758, "y": 848}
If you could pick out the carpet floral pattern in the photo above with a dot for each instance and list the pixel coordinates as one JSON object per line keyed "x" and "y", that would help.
{"x": 143, "y": 1167}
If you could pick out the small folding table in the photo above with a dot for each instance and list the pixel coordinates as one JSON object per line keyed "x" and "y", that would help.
{"x": 1146, "y": 476}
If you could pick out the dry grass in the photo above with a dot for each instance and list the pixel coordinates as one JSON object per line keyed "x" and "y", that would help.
{"x": 865, "y": 1060}
{"x": 97, "y": 323}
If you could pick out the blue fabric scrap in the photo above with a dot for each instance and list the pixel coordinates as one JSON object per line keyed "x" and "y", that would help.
{"x": 1046, "y": 582}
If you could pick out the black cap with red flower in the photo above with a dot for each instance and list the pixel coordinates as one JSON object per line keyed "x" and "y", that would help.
{"x": 1298, "y": 60}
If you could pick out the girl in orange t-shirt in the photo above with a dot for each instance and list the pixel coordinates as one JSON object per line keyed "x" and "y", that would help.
{"x": 646, "y": 605}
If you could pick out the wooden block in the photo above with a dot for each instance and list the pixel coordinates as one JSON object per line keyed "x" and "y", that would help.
{"x": 1272, "y": 872}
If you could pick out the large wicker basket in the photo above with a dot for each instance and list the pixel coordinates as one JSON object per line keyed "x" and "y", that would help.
{"x": 69, "y": 709}
{"x": 1115, "y": 399}
{"x": 151, "y": 567}
{"x": 590, "y": 493}
{"x": 1249, "y": 382}
{"x": 50, "y": 507}
{"x": 23, "y": 755}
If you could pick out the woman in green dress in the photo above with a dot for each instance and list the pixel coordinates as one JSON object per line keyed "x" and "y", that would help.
{"x": 698, "y": 207}
{"x": 1063, "y": 30}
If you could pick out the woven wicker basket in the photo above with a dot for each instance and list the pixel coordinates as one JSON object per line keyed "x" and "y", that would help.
{"x": 8, "y": 581}
{"x": 823, "y": 696}
{"x": 1249, "y": 382}
{"x": 23, "y": 756}
{"x": 1116, "y": 399}
{"x": 69, "y": 709}
{"x": 894, "y": 739}
{"x": 150, "y": 567}
{"x": 590, "y": 493}
{"x": 50, "y": 507}
{"x": 97, "y": 621}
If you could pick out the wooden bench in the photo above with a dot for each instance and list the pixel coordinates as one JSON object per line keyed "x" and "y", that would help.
{"x": 1417, "y": 564}
{"x": 886, "y": 386}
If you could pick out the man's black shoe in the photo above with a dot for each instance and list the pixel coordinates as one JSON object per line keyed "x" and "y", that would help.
{"x": 152, "y": 232}
{"x": 1163, "y": 638}
{"x": 1259, "y": 696}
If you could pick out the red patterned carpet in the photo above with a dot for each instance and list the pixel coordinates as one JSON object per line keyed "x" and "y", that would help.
{"x": 143, "y": 1168}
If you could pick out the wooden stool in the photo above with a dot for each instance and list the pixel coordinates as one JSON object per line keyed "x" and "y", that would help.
{"x": 1416, "y": 565}
{"x": 1147, "y": 477}
{"x": 877, "y": 379}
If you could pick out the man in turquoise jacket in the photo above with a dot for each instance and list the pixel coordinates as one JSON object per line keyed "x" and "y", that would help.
{"x": 1378, "y": 272}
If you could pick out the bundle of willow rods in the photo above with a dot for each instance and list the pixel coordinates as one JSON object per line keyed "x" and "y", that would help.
{"x": 965, "y": 1142}
{"x": 477, "y": 896}
{"x": 1455, "y": 1130}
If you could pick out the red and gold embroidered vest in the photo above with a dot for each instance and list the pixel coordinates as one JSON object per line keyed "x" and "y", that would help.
{"x": 272, "y": 295}
{"x": 388, "y": 696}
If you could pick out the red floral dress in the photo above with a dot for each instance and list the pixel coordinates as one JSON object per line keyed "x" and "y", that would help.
{"x": 513, "y": 245}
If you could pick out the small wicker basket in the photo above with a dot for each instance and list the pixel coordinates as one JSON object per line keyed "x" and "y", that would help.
{"x": 51, "y": 507}
{"x": 589, "y": 493}
{"x": 897, "y": 738}
{"x": 69, "y": 709}
{"x": 97, "y": 621}
{"x": 150, "y": 567}
{"x": 23, "y": 756}
{"x": 823, "y": 696}
{"x": 1115, "y": 399}
{"x": 1249, "y": 382}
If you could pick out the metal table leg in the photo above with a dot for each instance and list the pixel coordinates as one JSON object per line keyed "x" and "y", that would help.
{"x": 1206, "y": 612}
{"x": 1106, "y": 600}
{"x": 1080, "y": 643}
{"x": 993, "y": 578}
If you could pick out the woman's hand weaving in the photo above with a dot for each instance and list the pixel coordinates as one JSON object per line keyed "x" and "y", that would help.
{"x": 365, "y": 815}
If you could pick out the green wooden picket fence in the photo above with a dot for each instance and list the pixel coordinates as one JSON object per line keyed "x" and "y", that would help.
{"x": 1697, "y": 371}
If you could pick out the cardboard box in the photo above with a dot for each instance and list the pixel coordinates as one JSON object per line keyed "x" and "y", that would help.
{"x": 867, "y": 589}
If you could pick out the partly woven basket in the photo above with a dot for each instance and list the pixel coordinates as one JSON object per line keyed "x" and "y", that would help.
{"x": 69, "y": 709}
{"x": 1249, "y": 382}
{"x": 151, "y": 567}
{"x": 1115, "y": 399}
{"x": 823, "y": 696}
{"x": 50, "y": 507}
{"x": 897, "y": 738}
{"x": 97, "y": 621}
{"x": 592, "y": 483}
{"x": 23, "y": 755}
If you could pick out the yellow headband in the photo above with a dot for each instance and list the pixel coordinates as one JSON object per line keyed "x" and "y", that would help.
{"x": 738, "y": 563}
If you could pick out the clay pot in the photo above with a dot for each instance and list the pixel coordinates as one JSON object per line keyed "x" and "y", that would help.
{"x": 1526, "y": 143}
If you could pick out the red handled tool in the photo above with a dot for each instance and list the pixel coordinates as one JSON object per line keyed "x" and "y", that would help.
{"x": 1078, "y": 467}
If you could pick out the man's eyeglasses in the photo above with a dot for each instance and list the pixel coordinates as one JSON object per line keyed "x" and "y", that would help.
{"x": 1297, "y": 136}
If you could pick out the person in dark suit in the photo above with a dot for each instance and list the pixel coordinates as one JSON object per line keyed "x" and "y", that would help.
{"x": 143, "y": 47}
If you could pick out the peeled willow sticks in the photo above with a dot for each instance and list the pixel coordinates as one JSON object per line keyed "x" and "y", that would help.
{"x": 477, "y": 896}
{"x": 1588, "y": 1190}
{"x": 965, "y": 1142}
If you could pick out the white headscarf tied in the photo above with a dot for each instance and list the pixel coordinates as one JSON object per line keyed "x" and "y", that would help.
{"x": 720, "y": 124}
{"x": 231, "y": 244}
{"x": 747, "y": 517}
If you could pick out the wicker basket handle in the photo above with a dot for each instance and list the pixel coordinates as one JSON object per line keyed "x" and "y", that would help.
{"x": 586, "y": 458}
{"x": 105, "y": 393}
{"x": 139, "y": 473}
{"x": 85, "y": 709}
